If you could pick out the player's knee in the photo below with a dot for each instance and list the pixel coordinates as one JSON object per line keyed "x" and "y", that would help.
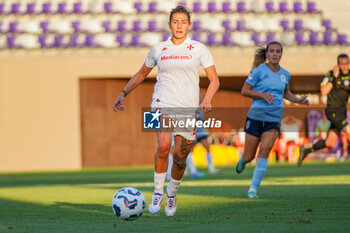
{"x": 265, "y": 150}
{"x": 163, "y": 148}
{"x": 331, "y": 142}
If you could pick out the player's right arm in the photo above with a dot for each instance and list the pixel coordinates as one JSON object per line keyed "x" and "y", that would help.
{"x": 138, "y": 78}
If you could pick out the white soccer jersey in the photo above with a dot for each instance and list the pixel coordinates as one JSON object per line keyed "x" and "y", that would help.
{"x": 178, "y": 72}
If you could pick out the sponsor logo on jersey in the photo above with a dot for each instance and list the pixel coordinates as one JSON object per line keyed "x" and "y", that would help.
{"x": 176, "y": 57}
{"x": 164, "y": 49}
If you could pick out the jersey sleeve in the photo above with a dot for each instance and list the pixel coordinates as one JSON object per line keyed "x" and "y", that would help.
{"x": 151, "y": 60}
{"x": 328, "y": 78}
{"x": 288, "y": 80}
{"x": 206, "y": 58}
{"x": 253, "y": 77}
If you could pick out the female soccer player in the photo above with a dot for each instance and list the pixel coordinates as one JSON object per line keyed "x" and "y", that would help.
{"x": 178, "y": 60}
{"x": 267, "y": 85}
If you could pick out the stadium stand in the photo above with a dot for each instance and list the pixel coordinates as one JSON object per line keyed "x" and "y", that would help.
{"x": 104, "y": 19}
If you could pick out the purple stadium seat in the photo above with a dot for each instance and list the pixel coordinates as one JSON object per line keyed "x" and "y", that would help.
{"x": 90, "y": 41}
{"x": 184, "y": 4}
{"x": 256, "y": 38}
{"x": 152, "y": 7}
{"x": 2, "y": 8}
{"x": 312, "y": 117}
{"x": 298, "y": 24}
{"x": 299, "y": 38}
{"x": 1, "y": 31}
{"x": 196, "y": 25}
{"x": 76, "y": 26}
{"x": 138, "y": 7}
{"x": 11, "y": 42}
{"x": 137, "y": 25}
{"x": 107, "y": 25}
{"x": 241, "y": 7}
{"x": 327, "y": 24}
{"x": 298, "y": 7}
{"x": 152, "y": 26}
{"x": 212, "y": 7}
{"x": 58, "y": 42}
{"x": 135, "y": 40}
{"x": 283, "y": 7}
{"x": 227, "y": 40}
{"x": 121, "y": 40}
{"x": 211, "y": 40}
{"x": 269, "y": 6}
{"x": 165, "y": 36}
{"x": 45, "y": 26}
{"x": 74, "y": 41}
{"x": 121, "y": 26}
{"x": 313, "y": 38}
{"x": 30, "y": 8}
{"x": 15, "y": 7}
{"x": 241, "y": 25}
{"x": 227, "y": 24}
{"x": 328, "y": 38}
{"x": 311, "y": 7}
{"x": 342, "y": 39}
{"x": 270, "y": 37}
{"x": 77, "y": 8}
{"x": 46, "y": 9}
{"x": 61, "y": 8}
{"x": 13, "y": 27}
{"x": 285, "y": 24}
{"x": 43, "y": 41}
{"x": 108, "y": 7}
{"x": 197, "y": 7}
{"x": 197, "y": 37}
{"x": 226, "y": 7}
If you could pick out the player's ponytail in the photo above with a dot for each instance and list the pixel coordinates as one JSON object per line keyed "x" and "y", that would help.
{"x": 259, "y": 57}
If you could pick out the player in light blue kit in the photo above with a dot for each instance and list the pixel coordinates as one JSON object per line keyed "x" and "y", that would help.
{"x": 267, "y": 85}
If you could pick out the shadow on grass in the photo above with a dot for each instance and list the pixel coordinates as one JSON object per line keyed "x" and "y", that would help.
{"x": 315, "y": 208}
{"x": 142, "y": 174}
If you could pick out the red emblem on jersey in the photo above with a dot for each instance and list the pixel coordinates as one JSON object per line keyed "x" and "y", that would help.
{"x": 164, "y": 49}
{"x": 190, "y": 47}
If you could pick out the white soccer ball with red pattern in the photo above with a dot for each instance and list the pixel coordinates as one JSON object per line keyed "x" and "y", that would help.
{"x": 128, "y": 203}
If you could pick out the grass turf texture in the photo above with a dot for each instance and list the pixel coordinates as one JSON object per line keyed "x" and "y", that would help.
{"x": 313, "y": 198}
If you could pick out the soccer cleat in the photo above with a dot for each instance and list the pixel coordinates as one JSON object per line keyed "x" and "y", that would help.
{"x": 252, "y": 195}
{"x": 156, "y": 202}
{"x": 302, "y": 155}
{"x": 240, "y": 166}
{"x": 213, "y": 170}
{"x": 197, "y": 175}
{"x": 170, "y": 205}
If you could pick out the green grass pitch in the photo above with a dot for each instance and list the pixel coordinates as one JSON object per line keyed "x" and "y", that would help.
{"x": 312, "y": 198}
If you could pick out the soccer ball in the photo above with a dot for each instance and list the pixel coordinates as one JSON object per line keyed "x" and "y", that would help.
{"x": 128, "y": 203}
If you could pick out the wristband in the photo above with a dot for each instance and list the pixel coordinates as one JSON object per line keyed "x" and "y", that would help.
{"x": 124, "y": 92}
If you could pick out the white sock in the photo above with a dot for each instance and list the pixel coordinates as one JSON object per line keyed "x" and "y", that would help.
{"x": 159, "y": 179}
{"x": 190, "y": 165}
{"x": 173, "y": 187}
{"x": 258, "y": 175}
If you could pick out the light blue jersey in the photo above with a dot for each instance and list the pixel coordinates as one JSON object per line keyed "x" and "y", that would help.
{"x": 264, "y": 80}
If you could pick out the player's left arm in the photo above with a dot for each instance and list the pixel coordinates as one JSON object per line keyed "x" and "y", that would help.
{"x": 213, "y": 87}
{"x": 288, "y": 95}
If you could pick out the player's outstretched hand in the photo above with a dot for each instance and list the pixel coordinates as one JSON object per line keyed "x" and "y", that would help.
{"x": 204, "y": 106}
{"x": 304, "y": 100}
{"x": 118, "y": 103}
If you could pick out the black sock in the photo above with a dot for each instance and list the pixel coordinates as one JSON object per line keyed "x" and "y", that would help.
{"x": 320, "y": 144}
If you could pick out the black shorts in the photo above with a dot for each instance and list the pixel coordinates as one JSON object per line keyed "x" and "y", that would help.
{"x": 257, "y": 128}
{"x": 337, "y": 117}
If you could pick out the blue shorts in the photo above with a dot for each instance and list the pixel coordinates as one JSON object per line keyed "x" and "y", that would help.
{"x": 257, "y": 128}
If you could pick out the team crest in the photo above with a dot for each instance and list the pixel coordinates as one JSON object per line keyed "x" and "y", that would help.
{"x": 283, "y": 78}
